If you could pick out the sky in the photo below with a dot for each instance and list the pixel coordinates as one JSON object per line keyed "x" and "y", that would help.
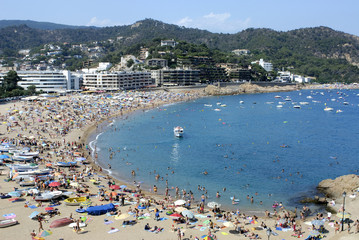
{"x": 219, "y": 16}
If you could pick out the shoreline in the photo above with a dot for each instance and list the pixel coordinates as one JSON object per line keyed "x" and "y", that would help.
{"x": 246, "y": 89}
{"x": 83, "y": 135}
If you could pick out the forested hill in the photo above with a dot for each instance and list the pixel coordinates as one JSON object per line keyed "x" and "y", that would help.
{"x": 320, "y": 41}
{"x": 37, "y": 25}
{"x": 301, "y": 48}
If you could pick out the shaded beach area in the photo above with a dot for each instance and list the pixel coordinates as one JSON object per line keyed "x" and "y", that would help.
{"x": 55, "y": 131}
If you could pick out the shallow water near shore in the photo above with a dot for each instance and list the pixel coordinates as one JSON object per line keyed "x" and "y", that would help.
{"x": 250, "y": 148}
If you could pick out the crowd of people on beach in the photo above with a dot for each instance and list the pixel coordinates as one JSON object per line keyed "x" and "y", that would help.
{"x": 45, "y": 126}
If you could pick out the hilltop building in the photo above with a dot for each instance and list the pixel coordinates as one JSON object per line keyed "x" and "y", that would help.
{"x": 171, "y": 43}
{"x": 157, "y": 62}
{"x": 241, "y": 52}
{"x": 266, "y": 65}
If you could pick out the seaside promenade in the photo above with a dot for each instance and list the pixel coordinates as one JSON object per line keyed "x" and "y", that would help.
{"x": 58, "y": 129}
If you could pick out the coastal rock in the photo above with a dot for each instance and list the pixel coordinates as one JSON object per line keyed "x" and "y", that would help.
{"x": 246, "y": 88}
{"x": 335, "y": 188}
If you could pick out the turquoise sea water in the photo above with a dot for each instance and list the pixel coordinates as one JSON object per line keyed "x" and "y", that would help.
{"x": 240, "y": 146}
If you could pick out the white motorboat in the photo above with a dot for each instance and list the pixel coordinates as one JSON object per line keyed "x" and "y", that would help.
{"x": 34, "y": 154}
{"x": 24, "y": 167}
{"x": 178, "y": 131}
{"x": 17, "y": 157}
{"x": 328, "y": 109}
{"x": 47, "y": 196}
{"x": 36, "y": 172}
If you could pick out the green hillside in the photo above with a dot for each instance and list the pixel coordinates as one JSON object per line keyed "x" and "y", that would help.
{"x": 321, "y": 52}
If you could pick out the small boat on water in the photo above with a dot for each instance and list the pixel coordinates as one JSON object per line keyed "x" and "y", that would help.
{"x": 296, "y": 106}
{"x": 75, "y": 201}
{"x": 208, "y": 105}
{"x": 277, "y": 96}
{"x": 328, "y": 109}
{"x": 178, "y": 131}
{"x": 279, "y": 106}
{"x": 8, "y": 222}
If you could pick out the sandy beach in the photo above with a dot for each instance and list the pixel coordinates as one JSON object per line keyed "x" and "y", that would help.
{"x": 58, "y": 129}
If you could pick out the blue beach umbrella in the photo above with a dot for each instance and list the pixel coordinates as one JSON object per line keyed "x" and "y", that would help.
{"x": 34, "y": 214}
{"x": 123, "y": 186}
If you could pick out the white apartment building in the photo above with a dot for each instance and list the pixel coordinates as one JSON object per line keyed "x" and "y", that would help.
{"x": 266, "y": 65}
{"x": 117, "y": 80}
{"x": 49, "y": 81}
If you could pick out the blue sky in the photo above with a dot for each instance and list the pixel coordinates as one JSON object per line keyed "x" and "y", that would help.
{"x": 226, "y": 16}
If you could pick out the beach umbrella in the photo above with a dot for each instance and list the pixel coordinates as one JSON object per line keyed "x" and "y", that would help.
{"x": 176, "y": 215}
{"x": 187, "y": 213}
{"x": 80, "y": 159}
{"x": 208, "y": 237}
{"x": 54, "y": 184}
{"x": 213, "y": 204}
{"x": 116, "y": 187}
{"x": 15, "y": 175}
{"x": 346, "y": 215}
{"x": 45, "y": 233}
{"x": 228, "y": 224}
{"x": 3, "y": 156}
{"x": 180, "y": 209}
{"x": 314, "y": 233}
{"x": 123, "y": 186}
{"x": 34, "y": 214}
{"x": 318, "y": 222}
{"x": 15, "y": 194}
{"x": 179, "y": 202}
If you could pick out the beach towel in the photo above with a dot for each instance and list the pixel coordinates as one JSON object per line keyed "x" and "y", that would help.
{"x": 162, "y": 219}
{"x": 224, "y": 233}
{"x": 108, "y": 222}
{"x": 202, "y": 229}
{"x": 32, "y": 206}
{"x": 9, "y": 216}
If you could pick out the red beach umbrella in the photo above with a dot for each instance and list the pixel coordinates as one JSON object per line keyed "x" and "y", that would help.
{"x": 116, "y": 187}
{"x": 49, "y": 208}
{"x": 54, "y": 184}
{"x": 176, "y": 215}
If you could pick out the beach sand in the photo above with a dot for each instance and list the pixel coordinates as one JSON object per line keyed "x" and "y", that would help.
{"x": 48, "y": 131}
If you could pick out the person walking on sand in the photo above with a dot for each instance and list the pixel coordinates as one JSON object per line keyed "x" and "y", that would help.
{"x": 39, "y": 219}
{"x": 179, "y": 234}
